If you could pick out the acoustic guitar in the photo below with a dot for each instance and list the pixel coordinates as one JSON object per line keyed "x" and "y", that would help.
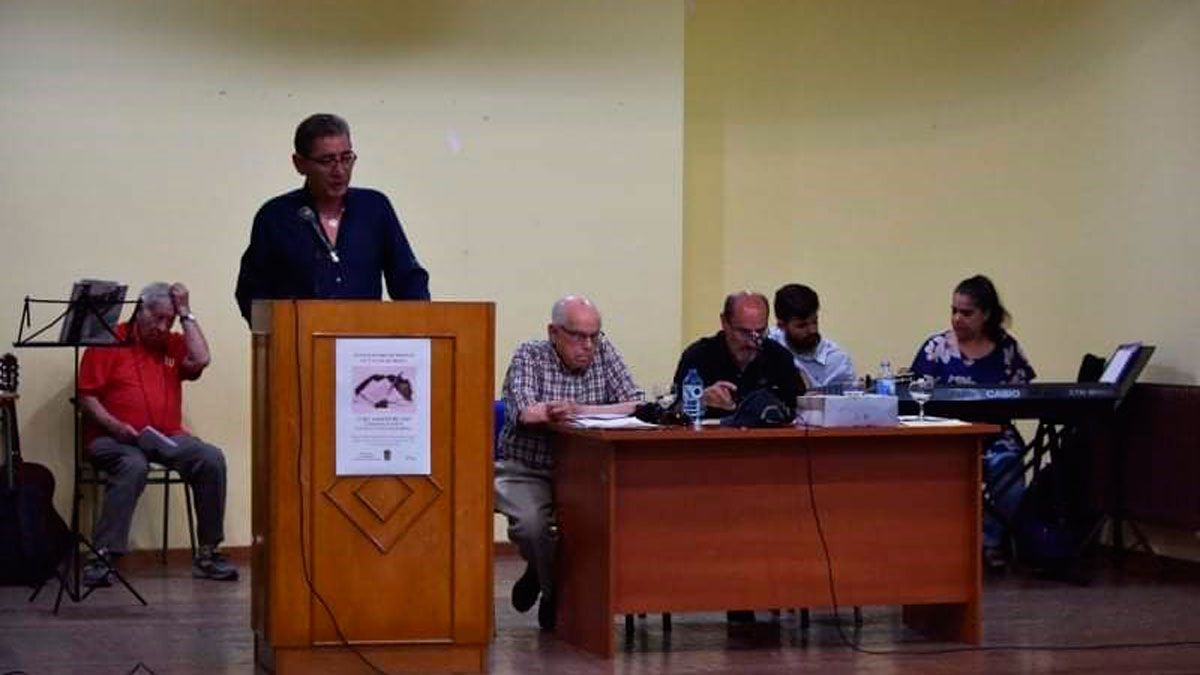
{"x": 33, "y": 537}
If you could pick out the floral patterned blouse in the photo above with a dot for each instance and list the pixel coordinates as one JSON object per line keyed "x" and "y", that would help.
{"x": 939, "y": 357}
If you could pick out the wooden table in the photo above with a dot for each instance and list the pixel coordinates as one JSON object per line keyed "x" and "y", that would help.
{"x": 682, "y": 520}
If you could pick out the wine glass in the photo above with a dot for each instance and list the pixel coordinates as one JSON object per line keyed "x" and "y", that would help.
{"x": 921, "y": 390}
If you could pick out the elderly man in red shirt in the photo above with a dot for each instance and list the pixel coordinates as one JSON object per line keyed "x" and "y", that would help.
{"x": 127, "y": 393}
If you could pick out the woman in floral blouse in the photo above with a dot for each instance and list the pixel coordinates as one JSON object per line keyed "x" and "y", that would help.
{"x": 978, "y": 350}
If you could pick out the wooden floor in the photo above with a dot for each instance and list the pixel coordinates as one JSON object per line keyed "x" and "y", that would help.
{"x": 193, "y": 627}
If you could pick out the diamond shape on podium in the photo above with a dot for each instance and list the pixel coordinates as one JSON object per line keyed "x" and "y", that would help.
{"x": 383, "y": 508}
{"x": 383, "y": 497}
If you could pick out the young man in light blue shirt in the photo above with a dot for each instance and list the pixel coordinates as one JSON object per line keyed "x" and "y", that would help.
{"x": 821, "y": 361}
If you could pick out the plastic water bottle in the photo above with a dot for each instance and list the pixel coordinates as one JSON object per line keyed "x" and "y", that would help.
{"x": 885, "y": 385}
{"x": 693, "y": 390}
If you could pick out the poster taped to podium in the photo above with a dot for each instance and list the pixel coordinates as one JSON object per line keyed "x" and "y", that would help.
{"x": 382, "y": 400}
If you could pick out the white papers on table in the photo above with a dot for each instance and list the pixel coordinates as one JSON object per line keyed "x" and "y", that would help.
{"x": 930, "y": 421}
{"x": 608, "y": 421}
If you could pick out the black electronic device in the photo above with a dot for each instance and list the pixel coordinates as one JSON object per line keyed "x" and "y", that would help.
{"x": 1039, "y": 400}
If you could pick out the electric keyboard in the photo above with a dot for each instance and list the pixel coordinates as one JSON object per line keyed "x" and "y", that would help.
{"x": 999, "y": 402}
{"x": 1048, "y": 401}
{"x": 1052, "y": 391}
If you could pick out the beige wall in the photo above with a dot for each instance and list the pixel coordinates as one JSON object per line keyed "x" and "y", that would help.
{"x": 532, "y": 148}
{"x": 882, "y": 151}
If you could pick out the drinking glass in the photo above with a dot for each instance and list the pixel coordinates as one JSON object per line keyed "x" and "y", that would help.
{"x": 921, "y": 390}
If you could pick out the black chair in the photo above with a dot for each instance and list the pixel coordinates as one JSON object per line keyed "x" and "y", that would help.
{"x": 166, "y": 477}
{"x": 497, "y": 425}
{"x": 157, "y": 475}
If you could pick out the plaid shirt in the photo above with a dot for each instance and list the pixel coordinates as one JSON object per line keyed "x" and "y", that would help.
{"x": 536, "y": 374}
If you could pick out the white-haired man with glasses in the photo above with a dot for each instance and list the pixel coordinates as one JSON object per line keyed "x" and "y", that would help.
{"x": 327, "y": 239}
{"x": 575, "y": 371}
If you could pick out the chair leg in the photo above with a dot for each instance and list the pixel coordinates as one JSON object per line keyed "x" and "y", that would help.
{"x": 162, "y": 556}
{"x": 187, "y": 498}
{"x": 804, "y": 618}
{"x": 630, "y": 623}
{"x": 858, "y": 620}
{"x": 94, "y": 508}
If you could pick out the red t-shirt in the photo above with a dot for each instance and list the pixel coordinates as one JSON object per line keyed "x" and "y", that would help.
{"x": 137, "y": 386}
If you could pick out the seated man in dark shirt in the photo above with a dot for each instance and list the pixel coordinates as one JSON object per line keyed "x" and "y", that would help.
{"x": 737, "y": 360}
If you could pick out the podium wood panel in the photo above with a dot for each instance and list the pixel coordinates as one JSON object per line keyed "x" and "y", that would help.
{"x": 402, "y": 562}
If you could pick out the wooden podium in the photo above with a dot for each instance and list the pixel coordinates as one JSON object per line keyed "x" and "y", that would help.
{"x": 394, "y": 570}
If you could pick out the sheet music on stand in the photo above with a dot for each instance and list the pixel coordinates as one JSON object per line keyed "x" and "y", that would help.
{"x": 88, "y": 318}
{"x": 95, "y": 307}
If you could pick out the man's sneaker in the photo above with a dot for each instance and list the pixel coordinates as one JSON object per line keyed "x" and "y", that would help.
{"x": 96, "y": 572}
{"x": 525, "y": 591}
{"x": 208, "y": 564}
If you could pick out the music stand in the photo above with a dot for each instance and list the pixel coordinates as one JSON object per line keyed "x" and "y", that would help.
{"x": 87, "y": 320}
{"x": 1122, "y": 369}
{"x": 1055, "y": 435}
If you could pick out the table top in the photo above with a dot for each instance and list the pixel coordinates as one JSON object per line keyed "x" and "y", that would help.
{"x": 715, "y": 432}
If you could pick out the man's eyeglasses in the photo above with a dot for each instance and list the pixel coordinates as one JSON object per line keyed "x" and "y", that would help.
{"x": 580, "y": 336}
{"x": 754, "y": 335}
{"x": 327, "y": 162}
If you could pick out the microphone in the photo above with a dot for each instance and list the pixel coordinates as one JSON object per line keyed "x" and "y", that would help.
{"x": 309, "y": 216}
